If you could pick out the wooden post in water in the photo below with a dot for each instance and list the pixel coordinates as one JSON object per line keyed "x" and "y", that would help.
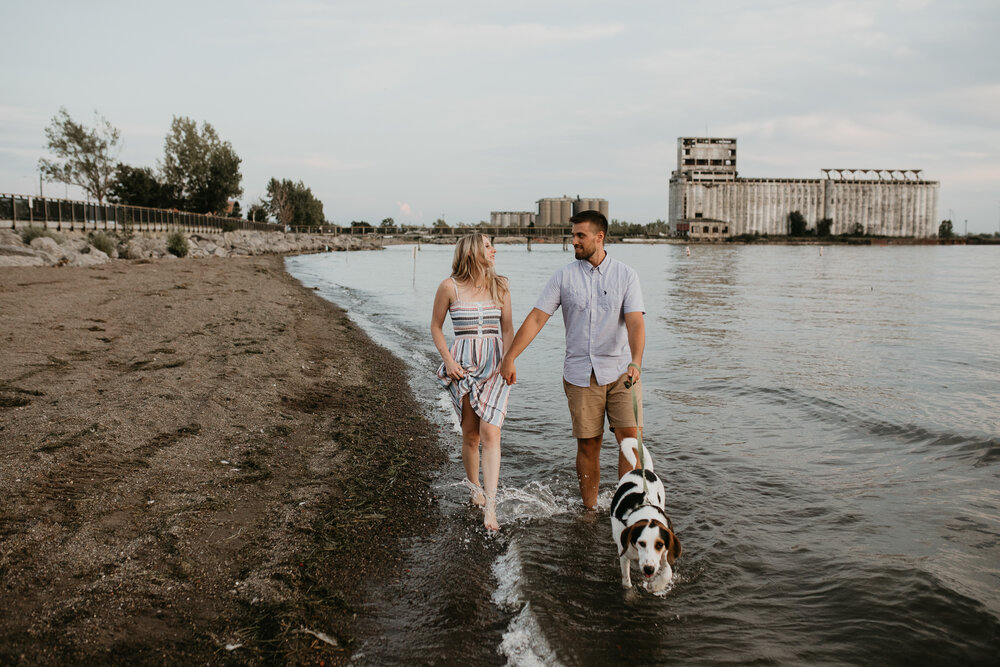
{"x": 415, "y": 263}
{"x": 529, "y": 244}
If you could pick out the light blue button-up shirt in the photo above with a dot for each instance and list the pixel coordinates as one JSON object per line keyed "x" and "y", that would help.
{"x": 594, "y": 301}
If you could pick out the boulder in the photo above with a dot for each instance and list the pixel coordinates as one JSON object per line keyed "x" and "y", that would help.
{"x": 90, "y": 258}
{"x": 17, "y": 250}
{"x": 22, "y": 260}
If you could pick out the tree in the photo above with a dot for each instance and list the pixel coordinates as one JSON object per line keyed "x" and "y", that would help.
{"x": 362, "y": 226}
{"x": 294, "y": 204}
{"x": 946, "y": 229}
{"x": 859, "y": 229}
{"x": 236, "y": 211}
{"x": 258, "y": 211}
{"x": 796, "y": 224}
{"x": 202, "y": 169}
{"x": 388, "y": 223}
{"x": 140, "y": 186}
{"x": 441, "y": 224}
{"x": 83, "y": 156}
{"x": 823, "y": 227}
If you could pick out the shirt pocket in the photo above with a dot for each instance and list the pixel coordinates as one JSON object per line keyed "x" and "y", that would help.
{"x": 611, "y": 297}
{"x": 577, "y": 298}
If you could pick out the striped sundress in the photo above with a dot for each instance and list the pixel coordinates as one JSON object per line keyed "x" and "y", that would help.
{"x": 478, "y": 349}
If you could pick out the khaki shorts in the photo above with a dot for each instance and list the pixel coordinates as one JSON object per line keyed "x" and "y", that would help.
{"x": 588, "y": 405}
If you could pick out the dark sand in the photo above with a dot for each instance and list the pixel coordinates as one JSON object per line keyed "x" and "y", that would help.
{"x": 193, "y": 454}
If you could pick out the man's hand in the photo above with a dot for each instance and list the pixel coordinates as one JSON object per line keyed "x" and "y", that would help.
{"x": 508, "y": 371}
{"x": 632, "y": 374}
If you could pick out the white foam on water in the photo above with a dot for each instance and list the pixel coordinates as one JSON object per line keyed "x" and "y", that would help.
{"x": 507, "y": 572}
{"x": 534, "y": 501}
{"x": 444, "y": 404}
{"x": 524, "y": 644}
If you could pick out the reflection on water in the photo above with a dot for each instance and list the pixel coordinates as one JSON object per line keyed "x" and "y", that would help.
{"x": 826, "y": 428}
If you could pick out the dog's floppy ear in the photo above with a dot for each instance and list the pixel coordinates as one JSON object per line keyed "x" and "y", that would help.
{"x": 673, "y": 547}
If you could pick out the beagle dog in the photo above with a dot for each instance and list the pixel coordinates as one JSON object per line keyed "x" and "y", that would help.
{"x": 640, "y": 527}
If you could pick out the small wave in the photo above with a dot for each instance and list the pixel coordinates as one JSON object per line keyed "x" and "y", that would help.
{"x": 524, "y": 644}
{"x": 535, "y": 501}
{"x": 507, "y": 571}
{"x": 445, "y": 406}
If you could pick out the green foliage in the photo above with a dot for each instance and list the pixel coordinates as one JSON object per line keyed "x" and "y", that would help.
{"x": 362, "y": 226}
{"x": 202, "y": 170}
{"x": 388, "y": 223}
{"x": 28, "y": 234}
{"x": 441, "y": 224}
{"x": 258, "y": 211}
{"x": 236, "y": 211}
{"x": 140, "y": 186}
{"x": 624, "y": 228}
{"x": 796, "y": 224}
{"x": 859, "y": 229}
{"x": 230, "y": 225}
{"x": 103, "y": 242}
{"x": 946, "y": 230}
{"x": 294, "y": 204}
{"x": 177, "y": 244}
{"x": 823, "y": 227}
{"x": 83, "y": 156}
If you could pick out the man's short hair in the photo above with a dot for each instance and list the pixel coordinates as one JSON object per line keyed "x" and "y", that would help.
{"x": 596, "y": 218}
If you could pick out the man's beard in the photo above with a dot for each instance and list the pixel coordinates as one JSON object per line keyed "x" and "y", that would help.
{"x": 581, "y": 253}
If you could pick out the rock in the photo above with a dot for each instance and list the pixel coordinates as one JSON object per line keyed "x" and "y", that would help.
{"x": 91, "y": 258}
{"x": 10, "y": 237}
{"x": 17, "y": 250}
{"x": 22, "y": 260}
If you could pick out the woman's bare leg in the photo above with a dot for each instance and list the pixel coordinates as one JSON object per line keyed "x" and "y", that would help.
{"x": 470, "y": 449}
{"x": 491, "y": 472}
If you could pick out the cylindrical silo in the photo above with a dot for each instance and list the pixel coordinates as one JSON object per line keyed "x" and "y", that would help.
{"x": 565, "y": 211}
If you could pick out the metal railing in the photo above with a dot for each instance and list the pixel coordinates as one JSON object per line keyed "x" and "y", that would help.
{"x": 64, "y": 214}
{"x": 531, "y": 232}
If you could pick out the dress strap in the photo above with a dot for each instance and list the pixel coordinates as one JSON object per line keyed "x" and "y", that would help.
{"x": 455, "y": 285}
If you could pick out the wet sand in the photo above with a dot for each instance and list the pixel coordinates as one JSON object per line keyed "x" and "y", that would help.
{"x": 201, "y": 461}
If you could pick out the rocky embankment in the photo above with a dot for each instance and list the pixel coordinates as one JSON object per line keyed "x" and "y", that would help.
{"x": 98, "y": 247}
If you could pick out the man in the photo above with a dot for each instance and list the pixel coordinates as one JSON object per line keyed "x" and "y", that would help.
{"x": 605, "y": 337}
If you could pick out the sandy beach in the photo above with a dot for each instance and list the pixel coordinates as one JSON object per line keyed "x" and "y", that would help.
{"x": 201, "y": 461}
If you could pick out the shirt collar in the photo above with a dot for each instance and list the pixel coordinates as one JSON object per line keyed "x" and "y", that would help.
{"x": 601, "y": 268}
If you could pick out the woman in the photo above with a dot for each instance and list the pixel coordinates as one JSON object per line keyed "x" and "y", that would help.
{"x": 478, "y": 301}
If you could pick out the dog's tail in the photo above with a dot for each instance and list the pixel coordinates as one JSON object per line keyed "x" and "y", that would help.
{"x": 629, "y": 448}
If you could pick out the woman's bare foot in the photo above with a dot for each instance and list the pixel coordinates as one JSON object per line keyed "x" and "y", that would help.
{"x": 478, "y": 498}
{"x": 490, "y": 514}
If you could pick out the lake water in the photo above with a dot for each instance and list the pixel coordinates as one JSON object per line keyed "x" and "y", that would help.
{"x": 826, "y": 427}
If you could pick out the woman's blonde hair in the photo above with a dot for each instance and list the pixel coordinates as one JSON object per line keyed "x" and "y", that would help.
{"x": 470, "y": 266}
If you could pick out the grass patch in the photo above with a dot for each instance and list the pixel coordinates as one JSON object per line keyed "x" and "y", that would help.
{"x": 29, "y": 234}
{"x": 177, "y": 244}
{"x": 106, "y": 243}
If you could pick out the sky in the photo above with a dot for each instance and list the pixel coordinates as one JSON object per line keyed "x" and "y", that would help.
{"x": 453, "y": 109}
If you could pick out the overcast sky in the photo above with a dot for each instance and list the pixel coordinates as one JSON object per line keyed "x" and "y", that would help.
{"x": 453, "y": 109}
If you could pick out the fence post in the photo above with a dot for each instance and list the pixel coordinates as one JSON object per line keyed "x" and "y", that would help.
{"x": 13, "y": 212}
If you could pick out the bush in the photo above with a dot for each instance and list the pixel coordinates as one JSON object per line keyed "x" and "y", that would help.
{"x": 103, "y": 242}
{"x": 229, "y": 226}
{"x": 177, "y": 244}
{"x": 28, "y": 234}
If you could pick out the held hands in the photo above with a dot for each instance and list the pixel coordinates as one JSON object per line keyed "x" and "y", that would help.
{"x": 507, "y": 370}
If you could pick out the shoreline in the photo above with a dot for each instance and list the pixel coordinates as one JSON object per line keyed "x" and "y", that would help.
{"x": 206, "y": 461}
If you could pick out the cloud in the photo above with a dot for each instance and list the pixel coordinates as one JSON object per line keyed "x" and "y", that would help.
{"x": 407, "y": 211}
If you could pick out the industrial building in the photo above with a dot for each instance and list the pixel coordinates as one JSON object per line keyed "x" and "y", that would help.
{"x": 709, "y": 201}
{"x": 556, "y": 211}
{"x": 512, "y": 219}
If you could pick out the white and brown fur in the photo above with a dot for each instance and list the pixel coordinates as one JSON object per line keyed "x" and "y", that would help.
{"x": 640, "y": 527}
